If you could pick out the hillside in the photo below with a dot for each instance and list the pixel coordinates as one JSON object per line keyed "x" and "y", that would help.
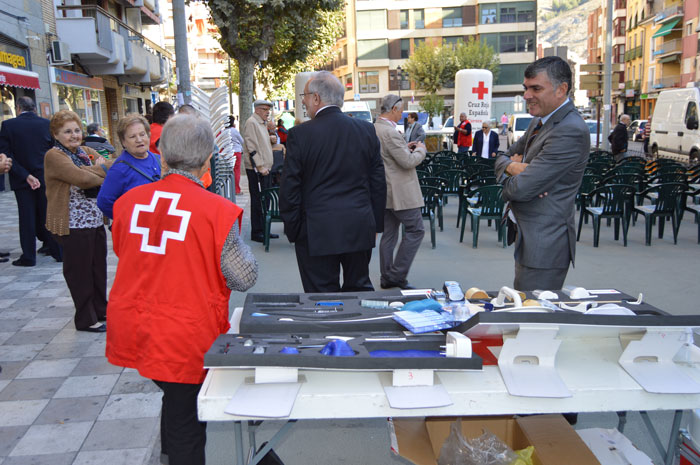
{"x": 569, "y": 28}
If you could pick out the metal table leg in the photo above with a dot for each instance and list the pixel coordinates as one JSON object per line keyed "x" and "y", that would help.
{"x": 238, "y": 435}
{"x": 667, "y": 453}
{"x": 274, "y": 440}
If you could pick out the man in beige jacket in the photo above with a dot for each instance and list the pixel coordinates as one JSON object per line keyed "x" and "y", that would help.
{"x": 257, "y": 156}
{"x": 403, "y": 196}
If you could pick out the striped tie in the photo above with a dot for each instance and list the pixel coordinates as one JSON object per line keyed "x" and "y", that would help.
{"x": 532, "y": 137}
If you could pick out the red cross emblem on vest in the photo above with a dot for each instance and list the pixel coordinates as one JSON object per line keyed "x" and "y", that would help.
{"x": 481, "y": 90}
{"x": 173, "y": 225}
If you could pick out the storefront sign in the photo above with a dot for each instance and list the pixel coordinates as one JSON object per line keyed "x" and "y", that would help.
{"x": 629, "y": 93}
{"x": 69, "y": 78}
{"x": 16, "y": 57}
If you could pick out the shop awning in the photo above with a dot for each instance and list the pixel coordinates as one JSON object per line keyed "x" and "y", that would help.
{"x": 18, "y": 78}
{"x": 665, "y": 29}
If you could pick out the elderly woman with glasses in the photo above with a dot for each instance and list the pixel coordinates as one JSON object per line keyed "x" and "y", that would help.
{"x": 73, "y": 174}
{"x": 135, "y": 166}
{"x": 185, "y": 241}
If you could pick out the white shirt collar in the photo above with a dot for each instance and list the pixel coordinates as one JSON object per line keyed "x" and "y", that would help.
{"x": 545, "y": 118}
{"x": 323, "y": 108}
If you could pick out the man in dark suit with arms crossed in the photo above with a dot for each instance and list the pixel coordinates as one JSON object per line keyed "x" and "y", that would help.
{"x": 332, "y": 192}
{"x": 543, "y": 171}
{"x": 26, "y": 139}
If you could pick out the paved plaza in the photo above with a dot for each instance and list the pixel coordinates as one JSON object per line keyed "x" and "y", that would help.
{"x": 61, "y": 402}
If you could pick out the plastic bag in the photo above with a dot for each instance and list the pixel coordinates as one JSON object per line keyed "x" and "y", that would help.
{"x": 487, "y": 449}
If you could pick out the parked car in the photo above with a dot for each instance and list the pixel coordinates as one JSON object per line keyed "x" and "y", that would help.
{"x": 358, "y": 110}
{"x": 592, "y": 126}
{"x": 675, "y": 132}
{"x": 517, "y": 126}
{"x": 636, "y": 129}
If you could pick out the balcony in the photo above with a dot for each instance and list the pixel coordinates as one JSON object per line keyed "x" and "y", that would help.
{"x": 665, "y": 82}
{"x": 635, "y": 84}
{"x": 634, "y": 53}
{"x": 107, "y": 46}
{"x": 674, "y": 12}
{"x": 669, "y": 48}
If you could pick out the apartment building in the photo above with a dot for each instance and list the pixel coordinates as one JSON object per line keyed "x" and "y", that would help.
{"x": 597, "y": 31}
{"x": 207, "y": 60}
{"x": 89, "y": 56}
{"x": 380, "y": 35}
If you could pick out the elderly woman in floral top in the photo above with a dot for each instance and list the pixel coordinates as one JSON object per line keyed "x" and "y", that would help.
{"x": 73, "y": 176}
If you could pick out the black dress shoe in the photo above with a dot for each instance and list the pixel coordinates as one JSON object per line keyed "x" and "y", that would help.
{"x": 44, "y": 249}
{"x": 4, "y": 254}
{"x": 23, "y": 262}
{"x": 57, "y": 257}
{"x": 4, "y": 259}
{"x": 389, "y": 285}
{"x": 100, "y": 329}
{"x": 260, "y": 239}
{"x": 274, "y": 236}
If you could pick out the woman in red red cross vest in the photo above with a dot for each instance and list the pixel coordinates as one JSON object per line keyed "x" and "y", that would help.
{"x": 180, "y": 255}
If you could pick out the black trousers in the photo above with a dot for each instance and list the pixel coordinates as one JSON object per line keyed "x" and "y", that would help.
{"x": 322, "y": 273}
{"x": 256, "y": 215}
{"x": 85, "y": 272}
{"x": 31, "y": 208}
{"x": 182, "y": 435}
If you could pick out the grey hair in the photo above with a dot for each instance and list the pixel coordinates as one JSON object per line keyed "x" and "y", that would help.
{"x": 558, "y": 71}
{"x": 389, "y": 102}
{"x": 92, "y": 128}
{"x": 186, "y": 142}
{"x": 328, "y": 88}
{"x": 625, "y": 117}
{"x": 26, "y": 104}
{"x": 187, "y": 109}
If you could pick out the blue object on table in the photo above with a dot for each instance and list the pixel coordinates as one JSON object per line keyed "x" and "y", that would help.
{"x": 338, "y": 348}
{"x": 425, "y": 321}
{"x": 289, "y": 350}
{"x": 421, "y": 305}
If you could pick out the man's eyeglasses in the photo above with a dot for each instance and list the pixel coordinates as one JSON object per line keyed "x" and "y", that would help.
{"x": 395, "y": 103}
{"x": 304, "y": 94}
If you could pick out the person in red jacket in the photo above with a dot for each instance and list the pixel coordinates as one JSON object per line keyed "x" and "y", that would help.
{"x": 282, "y": 132}
{"x": 464, "y": 134}
{"x": 180, "y": 255}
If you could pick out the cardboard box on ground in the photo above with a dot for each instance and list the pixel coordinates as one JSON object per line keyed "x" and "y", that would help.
{"x": 419, "y": 439}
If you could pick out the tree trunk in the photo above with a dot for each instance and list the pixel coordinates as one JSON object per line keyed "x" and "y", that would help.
{"x": 246, "y": 72}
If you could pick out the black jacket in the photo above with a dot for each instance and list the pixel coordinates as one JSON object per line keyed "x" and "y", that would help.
{"x": 25, "y": 139}
{"x": 333, "y": 190}
{"x": 618, "y": 139}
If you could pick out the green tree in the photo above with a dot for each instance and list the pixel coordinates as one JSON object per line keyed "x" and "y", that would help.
{"x": 249, "y": 31}
{"x": 476, "y": 54}
{"x": 431, "y": 67}
{"x": 432, "y": 104}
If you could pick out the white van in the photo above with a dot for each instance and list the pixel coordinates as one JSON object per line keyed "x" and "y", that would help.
{"x": 358, "y": 110}
{"x": 517, "y": 126}
{"x": 674, "y": 127}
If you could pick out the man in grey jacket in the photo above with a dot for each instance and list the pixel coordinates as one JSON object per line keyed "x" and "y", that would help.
{"x": 542, "y": 173}
{"x": 403, "y": 196}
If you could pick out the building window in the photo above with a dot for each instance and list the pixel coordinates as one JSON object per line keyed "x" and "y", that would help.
{"x": 488, "y": 14}
{"x": 452, "y": 17}
{"x": 403, "y": 19}
{"x": 508, "y": 15}
{"x": 418, "y": 19}
{"x": 513, "y": 43}
{"x": 348, "y": 82}
{"x": 371, "y": 20}
{"x": 691, "y": 112}
{"x": 418, "y": 41}
{"x": 405, "y": 48}
{"x": 452, "y": 41}
{"x": 369, "y": 81}
{"x": 526, "y": 12}
{"x": 511, "y": 74}
{"x": 373, "y": 49}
